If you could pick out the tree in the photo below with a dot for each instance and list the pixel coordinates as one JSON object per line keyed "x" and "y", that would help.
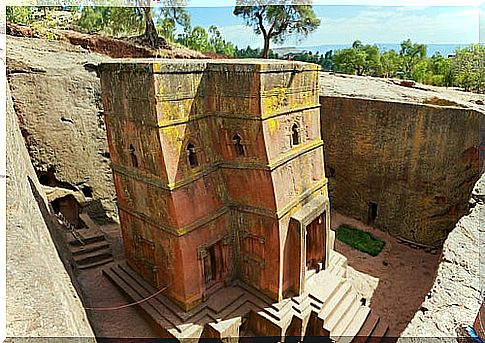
{"x": 360, "y": 59}
{"x": 198, "y": 39}
{"x": 469, "y": 69}
{"x": 440, "y": 70}
{"x": 349, "y": 61}
{"x": 390, "y": 61}
{"x": 172, "y": 14}
{"x": 129, "y": 20}
{"x": 327, "y": 63}
{"x": 411, "y": 54}
{"x": 166, "y": 27}
{"x": 94, "y": 19}
{"x": 219, "y": 44}
{"x": 276, "y": 21}
{"x": 19, "y": 14}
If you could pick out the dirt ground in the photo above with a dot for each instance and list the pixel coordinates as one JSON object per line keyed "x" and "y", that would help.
{"x": 396, "y": 282}
{"x": 99, "y": 292}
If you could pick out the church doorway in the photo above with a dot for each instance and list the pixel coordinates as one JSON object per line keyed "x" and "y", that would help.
{"x": 315, "y": 243}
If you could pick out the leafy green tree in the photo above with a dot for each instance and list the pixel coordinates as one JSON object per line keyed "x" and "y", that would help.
{"x": 198, "y": 39}
{"x": 390, "y": 61}
{"x": 420, "y": 72}
{"x": 133, "y": 20}
{"x": 327, "y": 63}
{"x": 19, "y": 14}
{"x": 440, "y": 73}
{"x": 411, "y": 53}
{"x": 372, "y": 64}
{"x": 166, "y": 27}
{"x": 219, "y": 44}
{"x": 94, "y": 19}
{"x": 350, "y": 61}
{"x": 276, "y": 23}
{"x": 468, "y": 68}
{"x": 248, "y": 52}
{"x": 360, "y": 59}
{"x": 172, "y": 14}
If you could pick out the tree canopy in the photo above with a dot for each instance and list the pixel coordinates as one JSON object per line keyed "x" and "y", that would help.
{"x": 275, "y": 20}
{"x": 137, "y": 19}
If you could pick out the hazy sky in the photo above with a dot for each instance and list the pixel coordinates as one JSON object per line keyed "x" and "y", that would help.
{"x": 370, "y": 24}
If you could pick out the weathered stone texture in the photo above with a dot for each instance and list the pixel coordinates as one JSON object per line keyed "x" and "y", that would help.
{"x": 416, "y": 162}
{"x": 457, "y": 293}
{"x": 160, "y": 114}
{"x": 41, "y": 300}
{"x": 59, "y": 106}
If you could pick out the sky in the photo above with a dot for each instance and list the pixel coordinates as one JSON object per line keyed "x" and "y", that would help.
{"x": 370, "y": 24}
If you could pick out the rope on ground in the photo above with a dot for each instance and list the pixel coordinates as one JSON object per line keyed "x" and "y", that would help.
{"x": 126, "y": 305}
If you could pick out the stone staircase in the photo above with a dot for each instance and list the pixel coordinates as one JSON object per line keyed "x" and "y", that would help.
{"x": 212, "y": 319}
{"x": 329, "y": 308}
{"x": 374, "y": 330}
{"x": 88, "y": 246}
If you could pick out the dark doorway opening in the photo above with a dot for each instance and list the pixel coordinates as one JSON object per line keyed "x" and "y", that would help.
{"x": 210, "y": 265}
{"x": 214, "y": 263}
{"x": 372, "y": 212}
{"x": 315, "y": 243}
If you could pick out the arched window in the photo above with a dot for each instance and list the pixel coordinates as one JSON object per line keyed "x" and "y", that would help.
{"x": 192, "y": 156}
{"x": 295, "y": 135}
{"x": 238, "y": 146}
{"x": 134, "y": 160}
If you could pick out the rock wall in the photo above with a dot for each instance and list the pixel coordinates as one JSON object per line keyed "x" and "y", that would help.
{"x": 41, "y": 300}
{"x": 455, "y": 298}
{"x": 407, "y": 168}
{"x": 56, "y": 96}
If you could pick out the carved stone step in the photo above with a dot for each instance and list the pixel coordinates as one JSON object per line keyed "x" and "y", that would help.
{"x": 366, "y": 329}
{"x": 85, "y": 236}
{"x": 378, "y": 333}
{"x": 82, "y": 249}
{"x": 96, "y": 263}
{"x": 340, "y": 311}
{"x": 332, "y": 302}
{"x": 93, "y": 256}
{"x": 136, "y": 293}
{"x": 348, "y": 326}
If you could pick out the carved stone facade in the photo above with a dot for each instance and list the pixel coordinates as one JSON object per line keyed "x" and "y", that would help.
{"x": 218, "y": 167}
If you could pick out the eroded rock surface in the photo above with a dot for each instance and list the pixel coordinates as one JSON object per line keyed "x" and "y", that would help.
{"x": 41, "y": 300}
{"x": 57, "y": 98}
{"x": 455, "y": 297}
{"x": 398, "y": 158}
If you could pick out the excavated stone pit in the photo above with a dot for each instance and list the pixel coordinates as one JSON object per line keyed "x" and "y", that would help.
{"x": 56, "y": 96}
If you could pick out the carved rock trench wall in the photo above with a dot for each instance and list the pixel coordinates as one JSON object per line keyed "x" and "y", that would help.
{"x": 41, "y": 299}
{"x": 406, "y": 168}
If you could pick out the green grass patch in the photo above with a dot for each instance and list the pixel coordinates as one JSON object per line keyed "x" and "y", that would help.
{"x": 359, "y": 239}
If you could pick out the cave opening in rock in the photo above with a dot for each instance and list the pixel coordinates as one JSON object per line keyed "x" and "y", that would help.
{"x": 48, "y": 178}
{"x": 372, "y": 212}
{"x": 68, "y": 208}
{"x": 87, "y": 191}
